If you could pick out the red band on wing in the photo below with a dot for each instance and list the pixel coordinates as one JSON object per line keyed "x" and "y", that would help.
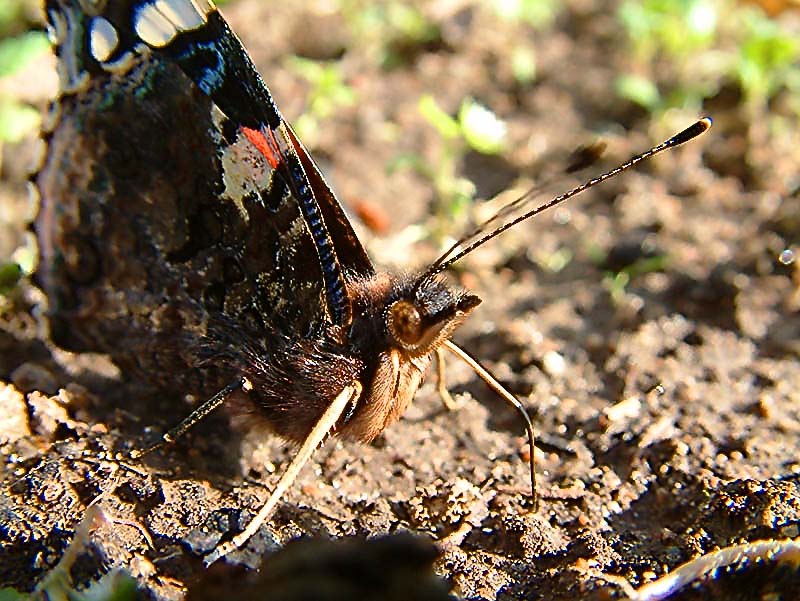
{"x": 267, "y": 146}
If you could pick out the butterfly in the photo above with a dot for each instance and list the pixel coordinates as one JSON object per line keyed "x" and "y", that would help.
{"x": 186, "y": 231}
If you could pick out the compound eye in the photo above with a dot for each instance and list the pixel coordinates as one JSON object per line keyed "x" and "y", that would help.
{"x": 405, "y": 323}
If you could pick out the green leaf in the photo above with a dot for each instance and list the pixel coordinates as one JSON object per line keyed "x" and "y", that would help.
{"x": 411, "y": 23}
{"x": 537, "y": 13}
{"x": 17, "y": 120}
{"x": 523, "y": 64}
{"x": 638, "y": 89}
{"x": 329, "y": 90}
{"x": 17, "y": 52}
{"x": 117, "y": 585}
{"x": 10, "y": 273}
{"x": 447, "y": 127}
{"x": 768, "y": 59}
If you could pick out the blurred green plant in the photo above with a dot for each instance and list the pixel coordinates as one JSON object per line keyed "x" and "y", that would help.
{"x": 666, "y": 36}
{"x": 16, "y": 15}
{"x": 553, "y": 261}
{"x": 523, "y": 64}
{"x": 700, "y": 45}
{"x": 117, "y": 585}
{"x": 17, "y": 119}
{"x": 397, "y": 30}
{"x": 10, "y": 274}
{"x": 328, "y": 92}
{"x": 768, "y": 60}
{"x": 678, "y": 28}
{"x": 474, "y": 128}
{"x": 540, "y": 14}
{"x": 17, "y": 52}
{"x": 617, "y": 281}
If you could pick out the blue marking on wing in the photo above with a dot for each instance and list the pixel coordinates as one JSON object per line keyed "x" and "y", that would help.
{"x": 331, "y": 272}
{"x": 210, "y": 74}
{"x": 214, "y": 58}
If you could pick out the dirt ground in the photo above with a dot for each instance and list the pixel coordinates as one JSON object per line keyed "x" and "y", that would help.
{"x": 666, "y": 406}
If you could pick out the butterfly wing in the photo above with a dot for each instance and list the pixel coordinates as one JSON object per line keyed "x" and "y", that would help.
{"x": 173, "y": 191}
{"x": 215, "y": 60}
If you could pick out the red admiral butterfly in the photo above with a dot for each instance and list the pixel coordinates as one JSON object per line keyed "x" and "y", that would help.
{"x": 187, "y": 232}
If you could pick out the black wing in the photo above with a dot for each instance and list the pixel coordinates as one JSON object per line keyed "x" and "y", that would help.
{"x": 173, "y": 189}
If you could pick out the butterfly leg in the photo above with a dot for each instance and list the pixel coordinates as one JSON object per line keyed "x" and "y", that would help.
{"x": 509, "y": 398}
{"x": 321, "y": 429}
{"x": 441, "y": 383}
{"x": 195, "y": 416}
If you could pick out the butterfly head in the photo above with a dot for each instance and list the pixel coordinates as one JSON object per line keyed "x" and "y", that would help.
{"x": 398, "y": 324}
{"x": 420, "y": 321}
{"x": 411, "y": 316}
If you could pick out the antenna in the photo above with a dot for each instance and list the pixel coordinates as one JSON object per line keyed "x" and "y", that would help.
{"x": 448, "y": 258}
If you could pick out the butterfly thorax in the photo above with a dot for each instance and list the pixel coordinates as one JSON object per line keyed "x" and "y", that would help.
{"x": 386, "y": 349}
{"x": 398, "y": 324}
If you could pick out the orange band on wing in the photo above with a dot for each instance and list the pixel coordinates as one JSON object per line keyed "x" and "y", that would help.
{"x": 265, "y": 145}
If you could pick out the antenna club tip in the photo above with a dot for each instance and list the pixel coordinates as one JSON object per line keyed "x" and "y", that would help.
{"x": 691, "y": 132}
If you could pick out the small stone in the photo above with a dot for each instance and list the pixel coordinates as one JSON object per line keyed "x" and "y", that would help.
{"x": 15, "y": 414}
{"x": 554, "y": 363}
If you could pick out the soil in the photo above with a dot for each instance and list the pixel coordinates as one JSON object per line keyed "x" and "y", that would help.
{"x": 666, "y": 404}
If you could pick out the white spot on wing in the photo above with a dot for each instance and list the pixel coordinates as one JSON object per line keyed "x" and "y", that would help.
{"x": 152, "y": 27}
{"x": 244, "y": 169}
{"x": 123, "y": 64}
{"x": 183, "y": 14}
{"x": 103, "y": 39}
